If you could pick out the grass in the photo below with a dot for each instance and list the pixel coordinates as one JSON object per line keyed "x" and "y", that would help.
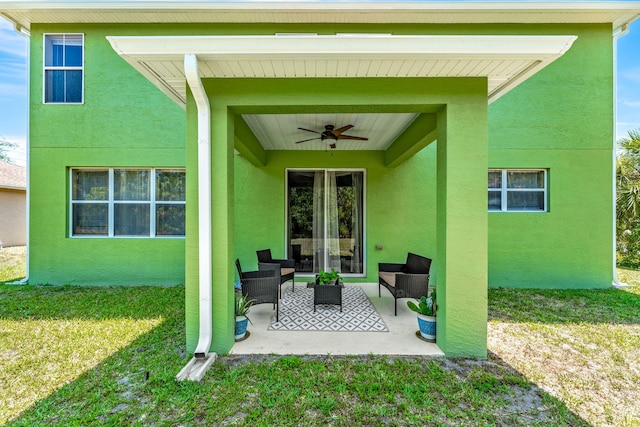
{"x": 12, "y": 263}
{"x": 581, "y": 347}
{"x": 108, "y": 356}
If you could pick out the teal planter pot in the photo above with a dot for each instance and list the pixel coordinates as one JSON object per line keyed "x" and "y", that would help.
{"x": 427, "y": 325}
{"x": 241, "y": 327}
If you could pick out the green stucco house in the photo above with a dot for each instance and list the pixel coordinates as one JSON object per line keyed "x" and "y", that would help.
{"x": 169, "y": 138}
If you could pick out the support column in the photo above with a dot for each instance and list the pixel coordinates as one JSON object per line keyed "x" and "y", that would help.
{"x": 462, "y": 225}
{"x": 222, "y": 227}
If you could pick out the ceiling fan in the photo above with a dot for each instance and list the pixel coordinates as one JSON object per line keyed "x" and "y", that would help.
{"x": 334, "y": 134}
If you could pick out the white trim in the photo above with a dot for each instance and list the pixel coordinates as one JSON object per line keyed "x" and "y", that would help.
{"x": 220, "y": 56}
{"x": 311, "y": 46}
{"x": 111, "y": 202}
{"x": 23, "y": 13}
{"x": 46, "y": 68}
{"x": 504, "y": 190}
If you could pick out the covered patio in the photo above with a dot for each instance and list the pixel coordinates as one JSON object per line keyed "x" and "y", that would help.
{"x": 400, "y": 339}
{"x": 232, "y": 87}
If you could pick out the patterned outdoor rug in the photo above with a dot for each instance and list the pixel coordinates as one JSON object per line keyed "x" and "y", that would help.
{"x": 358, "y": 313}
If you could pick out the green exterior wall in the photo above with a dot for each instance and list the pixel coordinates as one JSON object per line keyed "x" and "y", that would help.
{"x": 124, "y": 122}
{"x": 560, "y": 119}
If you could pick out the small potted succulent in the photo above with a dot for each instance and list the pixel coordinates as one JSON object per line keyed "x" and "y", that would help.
{"x": 426, "y": 309}
{"x": 242, "y": 305}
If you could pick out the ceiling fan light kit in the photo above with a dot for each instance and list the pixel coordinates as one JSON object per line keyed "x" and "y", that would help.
{"x": 333, "y": 134}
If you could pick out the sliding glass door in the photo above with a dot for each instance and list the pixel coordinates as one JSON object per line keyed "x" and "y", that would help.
{"x": 325, "y": 220}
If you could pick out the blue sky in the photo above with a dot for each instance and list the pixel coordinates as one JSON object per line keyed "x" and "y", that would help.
{"x": 13, "y": 86}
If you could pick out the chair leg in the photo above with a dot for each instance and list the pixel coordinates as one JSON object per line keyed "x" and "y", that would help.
{"x": 395, "y": 306}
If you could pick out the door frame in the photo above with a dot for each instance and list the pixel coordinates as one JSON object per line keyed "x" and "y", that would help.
{"x": 364, "y": 214}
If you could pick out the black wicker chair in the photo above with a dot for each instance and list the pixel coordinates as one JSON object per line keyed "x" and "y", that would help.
{"x": 408, "y": 280}
{"x": 260, "y": 286}
{"x": 277, "y": 271}
{"x": 287, "y": 266}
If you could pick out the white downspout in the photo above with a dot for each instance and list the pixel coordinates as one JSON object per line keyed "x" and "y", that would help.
{"x": 196, "y": 368}
{"x": 25, "y": 33}
{"x": 618, "y": 32}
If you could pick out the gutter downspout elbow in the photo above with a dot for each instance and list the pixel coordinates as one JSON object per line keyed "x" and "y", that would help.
{"x": 204, "y": 217}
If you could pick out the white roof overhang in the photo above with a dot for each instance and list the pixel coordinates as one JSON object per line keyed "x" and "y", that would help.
{"x": 24, "y": 13}
{"x": 506, "y": 61}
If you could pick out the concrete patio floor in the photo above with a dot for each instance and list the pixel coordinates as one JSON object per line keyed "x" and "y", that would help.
{"x": 400, "y": 340}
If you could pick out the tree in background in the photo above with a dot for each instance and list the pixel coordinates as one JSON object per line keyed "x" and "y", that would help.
{"x": 4, "y": 146}
{"x": 628, "y": 201}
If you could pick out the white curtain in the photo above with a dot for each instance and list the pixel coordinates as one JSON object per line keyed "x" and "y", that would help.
{"x": 333, "y": 226}
{"x": 318, "y": 221}
{"x": 356, "y": 222}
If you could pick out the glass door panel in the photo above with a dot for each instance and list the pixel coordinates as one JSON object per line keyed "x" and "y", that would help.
{"x": 325, "y": 220}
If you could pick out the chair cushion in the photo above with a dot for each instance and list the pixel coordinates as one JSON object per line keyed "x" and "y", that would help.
{"x": 286, "y": 271}
{"x": 417, "y": 264}
{"x": 389, "y": 277}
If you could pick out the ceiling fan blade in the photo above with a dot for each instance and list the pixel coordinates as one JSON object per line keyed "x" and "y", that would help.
{"x": 355, "y": 138}
{"x": 309, "y": 130}
{"x": 342, "y": 129}
{"x": 305, "y": 140}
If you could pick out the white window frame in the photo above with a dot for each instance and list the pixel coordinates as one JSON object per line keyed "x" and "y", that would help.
{"x": 62, "y": 68}
{"x": 111, "y": 202}
{"x": 504, "y": 190}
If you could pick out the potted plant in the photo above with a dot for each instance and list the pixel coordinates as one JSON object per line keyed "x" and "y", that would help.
{"x": 328, "y": 278}
{"x": 426, "y": 309}
{"x": 323, "y": 294}
{"x": 242, "y": 305}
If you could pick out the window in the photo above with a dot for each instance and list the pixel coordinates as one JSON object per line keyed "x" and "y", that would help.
{"x": 518, "y": 190}
{"x": 128, "y": 202}
{"x": 63, "y": 68}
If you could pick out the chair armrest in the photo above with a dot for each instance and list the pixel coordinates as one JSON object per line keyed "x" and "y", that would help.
{"x": 390, "y": 267}
{"x": 270, "y": 266}
{"x": 285, "y": 263}
{"x": 412, "y": 285}
{"x": 261, "y": 289}
{"x": 258, "y": 274}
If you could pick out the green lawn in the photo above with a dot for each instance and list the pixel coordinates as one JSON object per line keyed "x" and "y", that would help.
{"x": 109, "y": 356}
{"x": 13, "y": 264}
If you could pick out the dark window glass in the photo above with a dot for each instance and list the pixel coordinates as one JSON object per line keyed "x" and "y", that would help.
{"x": 170, "y": 220}
{"x": 131, "y": 219}
{"x": 495, "y": 200}
{"x": 90, "y": 218}
{"x": 525, "y": 200}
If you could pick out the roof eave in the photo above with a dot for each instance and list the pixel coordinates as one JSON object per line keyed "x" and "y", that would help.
{"x": 23, "y": 13}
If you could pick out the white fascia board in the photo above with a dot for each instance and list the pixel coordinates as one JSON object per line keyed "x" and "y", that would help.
{"x": 241, "y": 47}
{"x": 358, "y": 6}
